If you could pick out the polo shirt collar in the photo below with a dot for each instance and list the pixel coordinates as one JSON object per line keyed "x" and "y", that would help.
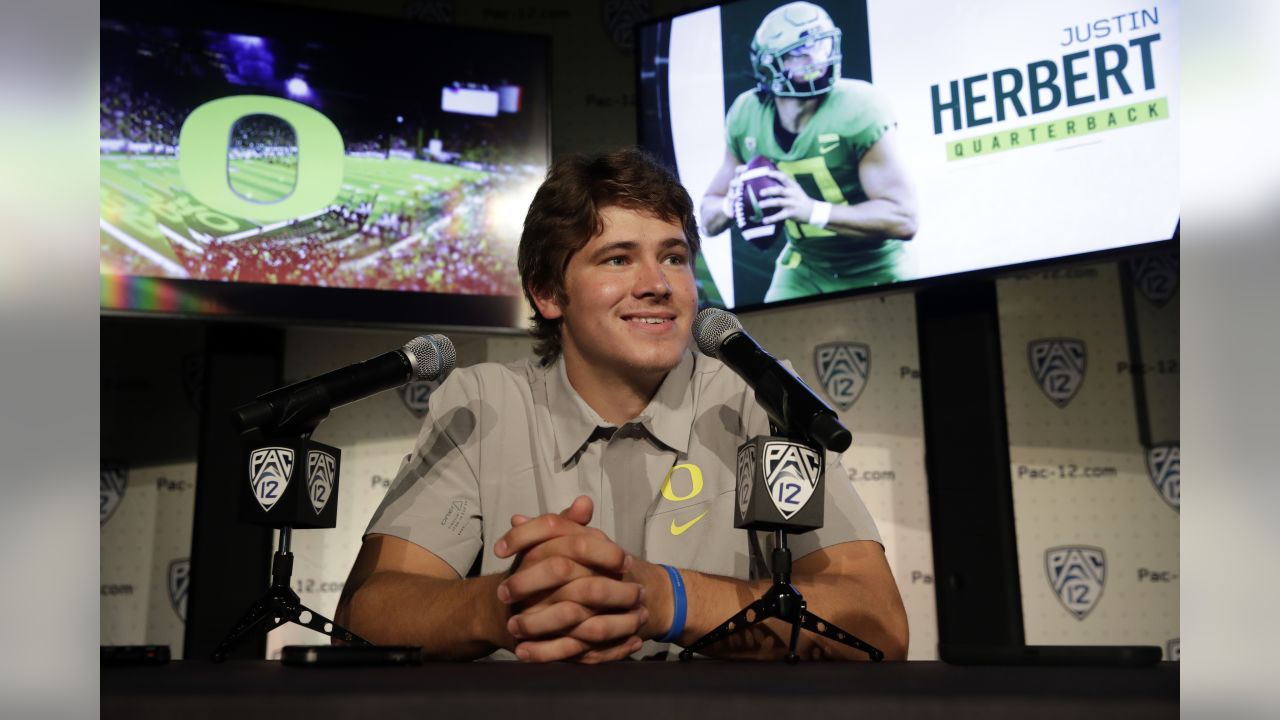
{"x": 667, "y": 417}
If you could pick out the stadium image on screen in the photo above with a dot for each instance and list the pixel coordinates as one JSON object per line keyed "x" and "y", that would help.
{"x": 313, "y": 157}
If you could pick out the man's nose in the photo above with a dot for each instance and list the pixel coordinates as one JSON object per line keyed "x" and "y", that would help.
{"x": 652, "y": 280}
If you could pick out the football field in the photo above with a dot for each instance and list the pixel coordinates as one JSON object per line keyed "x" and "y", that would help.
{"x": 146, "y": 213}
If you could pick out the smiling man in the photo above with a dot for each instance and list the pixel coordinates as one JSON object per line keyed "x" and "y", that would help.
{"x": 569, "y": 481}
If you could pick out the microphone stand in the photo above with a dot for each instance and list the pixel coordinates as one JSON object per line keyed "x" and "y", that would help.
{"x": 280, "y": 604}
{"x": 783, "y": 601}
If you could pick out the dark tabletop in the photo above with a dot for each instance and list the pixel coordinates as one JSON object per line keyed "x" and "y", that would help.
{"x": 241, "y": 690}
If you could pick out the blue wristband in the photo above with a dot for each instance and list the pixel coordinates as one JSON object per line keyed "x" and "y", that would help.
{"x": 681, "y": 605}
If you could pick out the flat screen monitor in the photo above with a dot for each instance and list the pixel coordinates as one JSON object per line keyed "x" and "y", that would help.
{"x": 292, "y": 164}
{"x": 911, "y": 139}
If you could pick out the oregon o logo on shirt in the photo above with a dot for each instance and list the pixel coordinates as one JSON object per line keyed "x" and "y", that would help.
{"x": 204, "y": 157}
{"x": 695, "y": 479}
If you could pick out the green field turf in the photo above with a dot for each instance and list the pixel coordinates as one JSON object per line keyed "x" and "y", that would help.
{"x": 139, "y": 193}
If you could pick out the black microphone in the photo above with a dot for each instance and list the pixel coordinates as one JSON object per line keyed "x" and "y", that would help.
{"x": 427, "y": 357}
{"x": 789, "y": 403}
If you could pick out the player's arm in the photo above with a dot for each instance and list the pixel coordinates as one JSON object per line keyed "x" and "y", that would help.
{"x": 848, "y": 584}
{"x": 715, "y": 218}
{"x": 399, "y": 593}
{"x": 888, "y": 212}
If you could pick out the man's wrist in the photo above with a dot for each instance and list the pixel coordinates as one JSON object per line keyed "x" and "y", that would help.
{"x": 657, "y": 598}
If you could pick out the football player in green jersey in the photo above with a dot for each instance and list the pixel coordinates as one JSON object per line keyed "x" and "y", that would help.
{"x": 845, "y": 200}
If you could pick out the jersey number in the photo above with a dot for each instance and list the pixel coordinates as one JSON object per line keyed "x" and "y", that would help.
{"x": 816, "y": 168}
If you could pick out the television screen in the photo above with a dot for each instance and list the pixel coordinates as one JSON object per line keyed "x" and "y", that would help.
{"x": 839, "y": 146}
{"x": 300, "y": 164}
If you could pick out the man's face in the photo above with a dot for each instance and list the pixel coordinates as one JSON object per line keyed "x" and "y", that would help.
{"x": 799, "y": 62}
{"x": 630, "y": 298}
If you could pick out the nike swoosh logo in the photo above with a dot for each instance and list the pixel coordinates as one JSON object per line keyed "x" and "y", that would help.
{"x": 828, "y": 148}
{"x": 679, "y": 529}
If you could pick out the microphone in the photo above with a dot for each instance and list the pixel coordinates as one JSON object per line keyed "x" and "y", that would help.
{"x": 789, "y": 403}
{"x": 427, "y": 357}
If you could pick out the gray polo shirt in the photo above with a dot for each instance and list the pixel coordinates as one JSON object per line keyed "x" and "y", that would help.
{"x": 517, "y": 438}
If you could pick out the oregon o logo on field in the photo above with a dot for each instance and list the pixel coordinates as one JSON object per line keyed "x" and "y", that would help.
{"x": 204, "y": 159}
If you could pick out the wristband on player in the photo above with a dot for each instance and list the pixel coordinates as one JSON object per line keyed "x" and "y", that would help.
{"x": 820, "y": 215}
{"x": 681, "y": 605}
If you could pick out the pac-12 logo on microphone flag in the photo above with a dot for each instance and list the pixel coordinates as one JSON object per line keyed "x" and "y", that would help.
{"x": 746, "y": 477}
{"x": 416, "y": 395}
{"x": 179, "y": 580}
{"x": 1165, "y": 470}
{"x": 1058, "y": 366}
{"x": 269, "y": 472}
{"x": 111, "y": 486}
{"x": 320, "y": 466}
{"x": 842, "y": 369}
{"x": 1156, "y": 277}
{"x": 790, "y": 472}
{"x": 1077, "y": 574}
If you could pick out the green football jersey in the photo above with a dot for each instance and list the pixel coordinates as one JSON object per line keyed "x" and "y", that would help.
{"x": 824, "y": 161}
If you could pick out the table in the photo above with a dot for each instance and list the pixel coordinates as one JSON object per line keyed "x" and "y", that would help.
{"x": 245, "y": 690}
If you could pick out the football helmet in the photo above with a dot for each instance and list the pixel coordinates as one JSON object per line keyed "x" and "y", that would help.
{"x": 785, "y": 38}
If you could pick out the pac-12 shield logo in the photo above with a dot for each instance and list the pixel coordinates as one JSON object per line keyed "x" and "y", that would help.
{"x": 1173, "y": 650}
{"x": 1077, "y": 575}
{"x": 1058, "y": 365}
{"x": 1165, "y": 471}
{"x": 1156, "y": 277}
{"x": 791, "y": 471}
{"x": 179, "y": 581}
{"x": 842, "y": 369}
{"x": 269, "y": 471}
{"x": 746, "y": 476}
{"x": 416, "y": 395}
{"x": 111, "y": 486}
{"x": 320, "y": 467}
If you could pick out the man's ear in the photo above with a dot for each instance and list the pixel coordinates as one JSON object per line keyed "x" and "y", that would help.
{"x": 546, "y": 303}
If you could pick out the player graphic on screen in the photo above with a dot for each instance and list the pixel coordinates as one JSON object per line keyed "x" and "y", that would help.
{"x": 844, "y": 198}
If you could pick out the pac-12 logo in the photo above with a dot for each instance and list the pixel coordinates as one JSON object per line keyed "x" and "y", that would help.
{"x": 746, "y": 476}
{"x": 416, "y": 395}
{"x": 111, "y": 486}
{"x": 791, "y": 472}
{"x": 1173, "y": 650}
{"x": 842, "y": 369}
{"x": 1156, "y": 277}
{"x": 269, "y": 471}
{"x": 179, "y": 580}
{"x": 1058, "y": 365}
{"x": 1077, "y": 574}
{"x": 320, "y": 467}
{"x": 1165, "y": 470}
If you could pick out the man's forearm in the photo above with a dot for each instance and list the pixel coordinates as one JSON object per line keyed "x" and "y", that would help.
{"x": 874, "y": 219}
{"x": 458, "y": 619}
{"x": 842, "y": 601}
{"x": 714, "y": 220}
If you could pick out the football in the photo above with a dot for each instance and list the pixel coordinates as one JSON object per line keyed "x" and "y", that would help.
{"x": 747, "y": 212}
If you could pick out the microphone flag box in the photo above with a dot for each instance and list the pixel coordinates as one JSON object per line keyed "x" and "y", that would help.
{"x": 293, "y": 483}
{"x": 780, "y": 486}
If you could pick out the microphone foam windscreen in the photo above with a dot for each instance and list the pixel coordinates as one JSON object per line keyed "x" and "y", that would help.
{"x": 710, "y": 326}
{"x": 424, "y": 356}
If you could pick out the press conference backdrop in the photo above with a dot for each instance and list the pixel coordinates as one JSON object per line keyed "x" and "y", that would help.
{"x": 1093, "y": 435}
{"x": 1098, "y": 549}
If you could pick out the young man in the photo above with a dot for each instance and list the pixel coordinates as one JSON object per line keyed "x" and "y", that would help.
{"x": 835, "y": 134}
{"x": 572, "y": 475}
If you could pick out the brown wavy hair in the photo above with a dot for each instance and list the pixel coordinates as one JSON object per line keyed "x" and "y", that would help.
{"x": 565, "y": 215}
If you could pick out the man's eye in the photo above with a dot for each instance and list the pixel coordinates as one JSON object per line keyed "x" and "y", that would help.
{"x": 616, "y": 260}
{"x": 675, "y": 260}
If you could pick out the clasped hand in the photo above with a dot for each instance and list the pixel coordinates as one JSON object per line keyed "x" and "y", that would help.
{"x": 570, "y": 594}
